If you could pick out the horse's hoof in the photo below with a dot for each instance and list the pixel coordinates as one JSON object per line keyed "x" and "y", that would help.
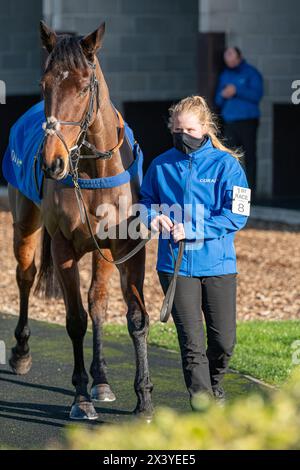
{"x": 83, "y": 410}
{"x": 20, "y": 365}
{"x": 145, "y": 414}
{"x": 102, "y": 392}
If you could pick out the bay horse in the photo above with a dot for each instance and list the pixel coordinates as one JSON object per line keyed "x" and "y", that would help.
{"x": 78, "y": 107}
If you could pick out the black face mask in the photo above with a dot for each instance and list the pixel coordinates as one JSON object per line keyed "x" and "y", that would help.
{"x": 186, "y": 143}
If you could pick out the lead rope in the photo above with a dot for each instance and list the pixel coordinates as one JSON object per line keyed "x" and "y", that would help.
{"x": 129, "y": 255}
{"x": 169, "y": 297}
{"x": 77, "y": 189}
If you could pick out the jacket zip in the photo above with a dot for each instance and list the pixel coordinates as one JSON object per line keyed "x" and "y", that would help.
{"x": 189, "y": 252}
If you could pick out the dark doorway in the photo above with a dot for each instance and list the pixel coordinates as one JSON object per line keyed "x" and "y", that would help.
{"x": 286, "y": 161}
{"x": 149, "y": 122}
{"x": 9, "y": 113}
{"x": 210, "y": 63}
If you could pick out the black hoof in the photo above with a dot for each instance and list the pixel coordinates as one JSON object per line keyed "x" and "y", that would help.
{"x": 83, "y": 410}
{"x": 102, "y": 392}
{"x": 20, "y": 365}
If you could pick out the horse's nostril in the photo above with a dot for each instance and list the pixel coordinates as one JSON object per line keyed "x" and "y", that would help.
{"x": 55, "y": 169}
{"x": 58, "y": 166}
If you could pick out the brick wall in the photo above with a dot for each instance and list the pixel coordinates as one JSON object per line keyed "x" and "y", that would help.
{"x": 149, "y": 51}
{"x": 20, "y": 46}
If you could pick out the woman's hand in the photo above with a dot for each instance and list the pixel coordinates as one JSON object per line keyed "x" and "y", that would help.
{"x": 178, "y": 232}
{"x": 229, "y": 91}
{"x": 162, "y": 222}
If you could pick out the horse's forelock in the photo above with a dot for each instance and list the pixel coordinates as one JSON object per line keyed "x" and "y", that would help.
{"x": 67, "y": 54}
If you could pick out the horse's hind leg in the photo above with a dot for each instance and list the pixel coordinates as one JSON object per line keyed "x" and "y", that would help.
{"x": 27, "y": 224}
{"x": 98, "y": 300}
{"x": 67, "y": 271}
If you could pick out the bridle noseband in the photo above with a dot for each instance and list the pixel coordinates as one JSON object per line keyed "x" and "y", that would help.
{"x": 52, "y": 127}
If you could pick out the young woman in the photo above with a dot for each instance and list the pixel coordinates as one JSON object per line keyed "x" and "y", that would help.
{"x": 198, "y": 176}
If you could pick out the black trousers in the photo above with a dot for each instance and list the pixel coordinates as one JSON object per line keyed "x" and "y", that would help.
{"x": 243, "y": 134}
{"x": 204, "y": 367}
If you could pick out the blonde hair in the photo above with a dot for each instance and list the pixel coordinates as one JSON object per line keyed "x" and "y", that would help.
{"x": 198, "y": 106}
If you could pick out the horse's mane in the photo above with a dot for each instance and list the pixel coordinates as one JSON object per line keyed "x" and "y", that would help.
{"x": 68, "y": 54}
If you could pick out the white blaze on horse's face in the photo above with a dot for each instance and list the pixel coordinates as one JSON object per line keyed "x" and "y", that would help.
{"x": 64, "y": 75}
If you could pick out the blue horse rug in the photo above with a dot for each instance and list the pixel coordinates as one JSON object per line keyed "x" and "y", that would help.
{"x": 25, "y": 138}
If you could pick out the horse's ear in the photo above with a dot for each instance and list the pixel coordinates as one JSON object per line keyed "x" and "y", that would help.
{"x": 48, "y": 36}
{"x": 92, "y": 42}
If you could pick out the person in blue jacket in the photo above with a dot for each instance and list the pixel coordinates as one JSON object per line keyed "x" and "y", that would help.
{"x": 187, "y": 194}
{"x": 239, "y": 91}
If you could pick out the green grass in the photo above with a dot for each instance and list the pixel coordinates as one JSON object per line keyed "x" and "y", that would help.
{"x": 263, "y": 350}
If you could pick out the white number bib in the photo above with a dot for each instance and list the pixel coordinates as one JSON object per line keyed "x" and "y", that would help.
{"x": 241, "y": 200}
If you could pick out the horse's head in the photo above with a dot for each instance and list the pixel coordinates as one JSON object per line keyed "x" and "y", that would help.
{"x": 68, "y": 83}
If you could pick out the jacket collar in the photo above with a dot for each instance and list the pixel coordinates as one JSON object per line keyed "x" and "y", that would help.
{"x": 238, "y": 67}
{"x": 200, "y": 151}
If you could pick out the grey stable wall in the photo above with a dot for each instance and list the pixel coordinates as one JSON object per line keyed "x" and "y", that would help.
{"x": 20, "y": 45}
{"x": 268, "y": 32}
{"x": 149, "y": 51}
{"x": 150, "y": 46}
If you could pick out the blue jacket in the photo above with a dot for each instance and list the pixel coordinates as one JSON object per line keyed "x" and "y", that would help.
{"x": 204, "y": 177}
{"x": 249, "y": 86}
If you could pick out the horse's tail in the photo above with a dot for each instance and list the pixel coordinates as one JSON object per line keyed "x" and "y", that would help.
{"x": 47, "y": 284}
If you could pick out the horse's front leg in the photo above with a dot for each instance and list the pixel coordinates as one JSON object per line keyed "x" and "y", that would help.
{"x": 132, "y": 279}
{"x": 68, "y": 274}
{"x": 98, "y": 301}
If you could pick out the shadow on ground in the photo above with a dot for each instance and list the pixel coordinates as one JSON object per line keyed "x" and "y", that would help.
{"x": 34, "y": 408}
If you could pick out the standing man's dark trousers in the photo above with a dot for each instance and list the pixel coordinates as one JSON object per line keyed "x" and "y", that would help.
{"x": 243, "y": 134}
{"x": 204, "y": 368}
